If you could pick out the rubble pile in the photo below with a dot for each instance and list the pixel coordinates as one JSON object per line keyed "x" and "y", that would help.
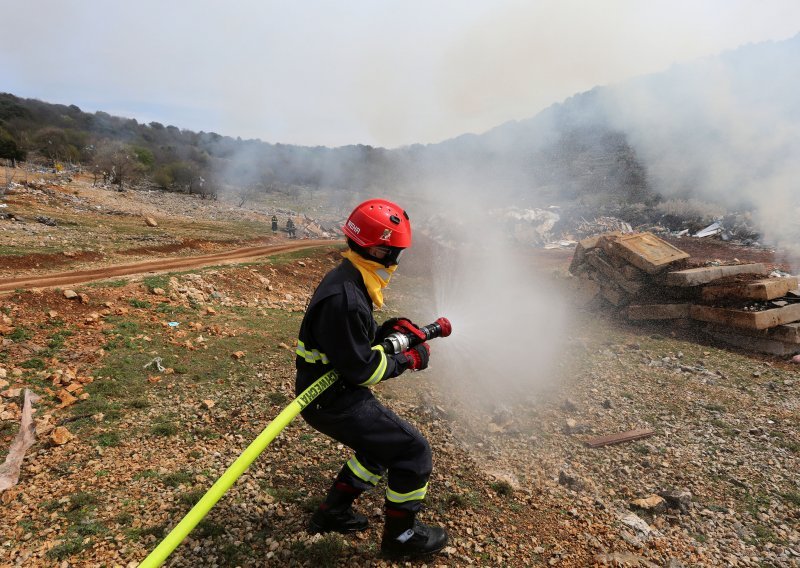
{"x": 646, "y": 278}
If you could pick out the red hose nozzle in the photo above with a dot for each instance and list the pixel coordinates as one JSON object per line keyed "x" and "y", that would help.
{"x": 444, "y": 323}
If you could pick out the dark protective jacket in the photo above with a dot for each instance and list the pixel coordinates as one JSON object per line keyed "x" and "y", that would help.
{"x": 338, "y": 332}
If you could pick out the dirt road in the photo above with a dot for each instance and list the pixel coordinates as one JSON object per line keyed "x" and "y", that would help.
{"x": 160, "y": 265}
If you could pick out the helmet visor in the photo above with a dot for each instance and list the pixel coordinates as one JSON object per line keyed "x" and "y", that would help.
{"x": 386, "y": 255}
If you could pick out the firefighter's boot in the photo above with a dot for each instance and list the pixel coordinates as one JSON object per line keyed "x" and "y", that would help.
{"x": 406, "y": 537}
{"x": 336, "y": 513}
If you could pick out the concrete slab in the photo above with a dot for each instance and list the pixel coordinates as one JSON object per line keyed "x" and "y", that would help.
{"x": 748, "y": 320}
{"x": 647, "y": 252}
{"x": 757, "y": 344}
{"x": 765, "y": 289}
{"x": 786, "y": 333}
{"x": 596, "y": 259}
{"x": 706, "y": 274}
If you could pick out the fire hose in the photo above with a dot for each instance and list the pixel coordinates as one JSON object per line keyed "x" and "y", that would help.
{"x": 396, "y": 342}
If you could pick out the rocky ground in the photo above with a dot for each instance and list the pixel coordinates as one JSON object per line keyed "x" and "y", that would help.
{"x": 125, "y": 447}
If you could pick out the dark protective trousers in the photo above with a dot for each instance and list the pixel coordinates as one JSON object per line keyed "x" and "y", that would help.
{"x": 382, "y": 442}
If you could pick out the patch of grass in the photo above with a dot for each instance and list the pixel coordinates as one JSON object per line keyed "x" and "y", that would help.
{"x": 164, "y": 428}
{"x": 284, "y": 495}
{"x": 191, "y": 498}
{"x": 176, "y": 478}
{"x": 123, "y": 519}
{"x": 322, "y": 553}
{"x": 166, "y": 308}
{"x": 108, "y": 439}
{"x": 137, "y": 534}
{"x": 139, "y": 403}
{"x": 153, "y": 282}
{"x": 50, "y": 505}
{"x": 57, "y": 340}
{"x": 277, "y": 397}
{"x": 34, "y": 363}
{"x": 763, "y": 533}
{"x": 792, "y": 497}
{"x": 67, "y": 548}
{"x": 109, "y": 284}
{"x": 208, "y": 528}
{"x": 20, "y": 333}
{"x": 139, "y": 303}
{"x": 206, "y": 433}
{"x": 88, "y": 527}
{"x": 502, "y": 488}
{"x": 82, "y": 500}
{"x": 146, "y": 474}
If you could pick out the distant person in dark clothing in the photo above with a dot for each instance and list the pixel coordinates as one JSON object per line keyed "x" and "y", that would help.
{"x": 274, "y": 224}
{"x": 290, "y": 228}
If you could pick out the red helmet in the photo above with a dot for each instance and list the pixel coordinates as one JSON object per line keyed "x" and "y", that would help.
{"x": 379, "y": 222}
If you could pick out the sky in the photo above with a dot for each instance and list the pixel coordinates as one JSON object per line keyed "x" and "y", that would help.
{"x": 384, "y": 73}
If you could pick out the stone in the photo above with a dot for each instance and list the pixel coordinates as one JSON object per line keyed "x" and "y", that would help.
{"x": 159, "y": 291}
{"x": 571, "y": 481}
{"x": 238, "y": 354}
{"x": 150, "y": 222}
{"x": 653, "y": 504}
{"x": 677, "y": 498}
{"x": 70, "y": 294}
{"x": 60, "y": 436}
{"x": 209, "y": 404}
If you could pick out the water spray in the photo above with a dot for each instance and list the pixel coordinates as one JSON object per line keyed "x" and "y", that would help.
{"x": 397, "y": 342}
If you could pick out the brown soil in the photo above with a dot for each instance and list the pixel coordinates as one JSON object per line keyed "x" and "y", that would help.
{"x": 46, "y": 261}
{"x": 160, "y": 265}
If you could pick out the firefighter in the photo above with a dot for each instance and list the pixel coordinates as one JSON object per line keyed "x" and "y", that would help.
{"x": 274, "y": 224}
{"x": 339, "y": 331}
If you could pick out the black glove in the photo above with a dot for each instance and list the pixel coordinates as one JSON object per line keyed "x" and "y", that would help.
{"x": 403, "y": 325}
{"x": 385, "y": 330}
{"x": 417, "y": 357}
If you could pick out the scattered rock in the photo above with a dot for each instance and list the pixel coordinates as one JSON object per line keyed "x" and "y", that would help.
{"x": 209, "y": 404}
{"x": 677, "y": 498}
{"x": 652, "y": 504}
{"x": 569, "y": 406}
{"x": 571, "y": 481}
{"x": 66, "y": 398}
{"x": 150, "y": 222}
{"x": 238, "y": 354}
{"x": 210, "y": 311}
{"x": 70, "y": 294}
{"x": 60, "y": 436}
{"x": 159, "y": 291}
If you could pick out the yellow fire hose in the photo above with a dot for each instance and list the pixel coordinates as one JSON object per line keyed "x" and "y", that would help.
{"x": 235, "y": 470}
{"x": 395, "y": 343}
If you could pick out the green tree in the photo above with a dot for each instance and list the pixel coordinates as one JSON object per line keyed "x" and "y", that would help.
{"x": 9, "y": 148}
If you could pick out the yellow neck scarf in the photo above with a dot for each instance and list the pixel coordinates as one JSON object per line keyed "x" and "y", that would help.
{"x": 376, "y": 276}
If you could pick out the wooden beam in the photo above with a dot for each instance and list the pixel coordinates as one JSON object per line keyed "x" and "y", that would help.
{"x": 618, "y": 438}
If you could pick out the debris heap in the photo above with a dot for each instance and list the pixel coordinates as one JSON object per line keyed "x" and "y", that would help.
{"x": 646, "y": 278}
